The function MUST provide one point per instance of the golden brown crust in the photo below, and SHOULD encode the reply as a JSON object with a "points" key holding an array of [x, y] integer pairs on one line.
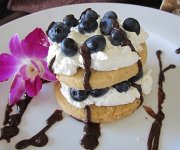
{"points": [[103, 79], [98, 114]]}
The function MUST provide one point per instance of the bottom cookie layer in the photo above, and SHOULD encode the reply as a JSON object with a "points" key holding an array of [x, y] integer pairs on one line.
{"points": [[98, 114]]}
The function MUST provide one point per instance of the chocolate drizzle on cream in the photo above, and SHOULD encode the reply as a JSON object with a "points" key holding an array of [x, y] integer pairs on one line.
{"points": [[135, 78], [85, 53], [41, 139], [91, 132], [138, 87], [127, 42], [154, 134], [11, 122]]}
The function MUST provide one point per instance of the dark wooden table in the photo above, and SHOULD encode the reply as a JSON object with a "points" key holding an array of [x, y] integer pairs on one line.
{"points": [[8, 15]]}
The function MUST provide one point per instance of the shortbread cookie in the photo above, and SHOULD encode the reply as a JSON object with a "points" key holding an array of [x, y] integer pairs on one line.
{"points": [[103, 79], [98, 114]]}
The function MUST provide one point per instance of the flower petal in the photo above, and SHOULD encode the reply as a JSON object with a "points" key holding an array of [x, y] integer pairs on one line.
{"points": [[36, 44], [35, 64], [8, 66], [17, 90], [47, 75], [29, 71], [15, 46], [24, 72], [33, 86]]}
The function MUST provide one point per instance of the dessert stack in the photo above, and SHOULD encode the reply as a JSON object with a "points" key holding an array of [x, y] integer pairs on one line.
{"points": [[98, 62]]}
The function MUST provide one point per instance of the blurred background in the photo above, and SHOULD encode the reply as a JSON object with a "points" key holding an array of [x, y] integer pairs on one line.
{"points": [[13, 9]]}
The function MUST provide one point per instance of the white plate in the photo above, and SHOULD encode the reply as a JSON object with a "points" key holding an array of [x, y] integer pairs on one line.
{"points": [[129, 133]]}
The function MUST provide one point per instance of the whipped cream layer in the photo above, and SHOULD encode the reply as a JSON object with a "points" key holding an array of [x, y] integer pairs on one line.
{"points": [[112, 97], [111, 58]]}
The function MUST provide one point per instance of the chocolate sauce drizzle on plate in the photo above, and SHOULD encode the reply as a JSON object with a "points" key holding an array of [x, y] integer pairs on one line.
{"points": [[178, 51], [154, 134], [41, 139], [85, 53], [91, 132], [11, 122]]}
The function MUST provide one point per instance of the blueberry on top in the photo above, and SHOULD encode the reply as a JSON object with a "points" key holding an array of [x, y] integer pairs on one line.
{"points": [[50, 26], [89, 14], [70, 21], [132, 25], [98, 92], [58, 31], [96, 43], [117, 36], [110, 15], [69, 47], [107, 25], [78, 95], [87, 26], [123, 86]]}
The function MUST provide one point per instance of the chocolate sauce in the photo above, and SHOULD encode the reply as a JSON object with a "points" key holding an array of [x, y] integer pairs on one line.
{"points": [[138, 87], [153, 139], [178, 51], [7, 113], [11, 122], [91, 132], [127, 42], [85, 53], [116, 24], [41, 139], [51, 63]]}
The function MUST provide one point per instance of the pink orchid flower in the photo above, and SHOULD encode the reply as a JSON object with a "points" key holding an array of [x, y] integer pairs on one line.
{"points": [[26, 65]]}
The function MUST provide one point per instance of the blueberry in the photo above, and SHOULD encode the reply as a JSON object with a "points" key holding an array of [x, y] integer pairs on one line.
{"points": [[123, 86], [132, 25], [110, 15], [57, 31], [70, 21], [50, 26], [87, 26], [89, 14], [107, 25], [117, 36], [78, 95], [96, 43], [99, 92], [69, 47]]}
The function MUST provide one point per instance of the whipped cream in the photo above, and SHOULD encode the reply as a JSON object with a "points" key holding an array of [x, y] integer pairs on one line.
{"points": [[146, 83], [112, 58], [112, 97]]}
